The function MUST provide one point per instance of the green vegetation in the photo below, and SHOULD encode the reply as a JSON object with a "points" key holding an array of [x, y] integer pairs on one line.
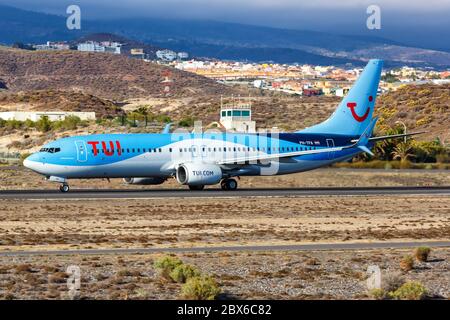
{"points": [[186, 122], [166, 265], [195, 285], [399, 290], [377, 294], [422, 253], [398, 154], [389, 77], [412, 290], [200, 288], [44, 124], [183, 272]]}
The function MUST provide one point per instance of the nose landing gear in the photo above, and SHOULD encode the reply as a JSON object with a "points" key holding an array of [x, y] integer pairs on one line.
{"points": [[64, 187], [229, 184]]}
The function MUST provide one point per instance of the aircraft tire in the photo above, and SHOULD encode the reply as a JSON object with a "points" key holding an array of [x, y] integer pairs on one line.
{"points": [[229, 184], [64, 188]]}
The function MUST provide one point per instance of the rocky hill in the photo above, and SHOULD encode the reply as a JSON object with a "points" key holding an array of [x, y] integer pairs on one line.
{"points": [[55, 100], [104, 75], [420, 107]]}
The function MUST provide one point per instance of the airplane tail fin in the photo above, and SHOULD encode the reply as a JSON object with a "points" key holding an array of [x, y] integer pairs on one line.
{"points": [[355, 111]]}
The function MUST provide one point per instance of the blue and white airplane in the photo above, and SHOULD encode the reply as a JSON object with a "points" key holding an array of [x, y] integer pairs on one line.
{"points": [[199, 159]]}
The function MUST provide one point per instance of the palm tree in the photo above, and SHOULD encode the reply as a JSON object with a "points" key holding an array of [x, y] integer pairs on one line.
{"points": [[402, 151]]}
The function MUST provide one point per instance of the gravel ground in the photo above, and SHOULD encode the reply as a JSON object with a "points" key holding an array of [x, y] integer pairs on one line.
{"points": [[263, 275]]}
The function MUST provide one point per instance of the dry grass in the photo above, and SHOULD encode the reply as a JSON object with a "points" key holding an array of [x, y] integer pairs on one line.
{"points": [[209, 221]]}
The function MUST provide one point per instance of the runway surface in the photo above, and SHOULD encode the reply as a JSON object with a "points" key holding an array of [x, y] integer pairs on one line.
{"points": [[218, 193], [299, 247]]}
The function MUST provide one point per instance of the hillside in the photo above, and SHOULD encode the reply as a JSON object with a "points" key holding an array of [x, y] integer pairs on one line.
{"points": [[420, 107], [54, 100], [239, 41], [104, 75]]}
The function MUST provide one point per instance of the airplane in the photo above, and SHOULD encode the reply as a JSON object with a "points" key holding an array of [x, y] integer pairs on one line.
{"points": [[209, 158]]}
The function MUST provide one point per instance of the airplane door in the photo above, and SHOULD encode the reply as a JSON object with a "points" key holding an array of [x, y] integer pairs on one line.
{"points": [[330, 144], [81, 151]]}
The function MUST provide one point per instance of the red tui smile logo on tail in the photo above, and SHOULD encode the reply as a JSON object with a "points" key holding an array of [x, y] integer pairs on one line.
{"points": [[352, 106]]}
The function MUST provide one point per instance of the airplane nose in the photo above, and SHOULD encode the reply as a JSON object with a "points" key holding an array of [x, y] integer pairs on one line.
{"points": [[31, 162]]}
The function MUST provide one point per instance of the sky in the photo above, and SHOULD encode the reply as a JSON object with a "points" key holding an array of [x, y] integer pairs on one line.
{"points": [[399, 17]]}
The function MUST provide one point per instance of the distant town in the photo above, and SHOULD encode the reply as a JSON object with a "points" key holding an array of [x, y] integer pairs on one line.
{"points": [[304, 80]]}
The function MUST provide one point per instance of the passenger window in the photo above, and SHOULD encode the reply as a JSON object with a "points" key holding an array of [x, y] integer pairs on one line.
{"points": [[159, 150], [170, 149]]}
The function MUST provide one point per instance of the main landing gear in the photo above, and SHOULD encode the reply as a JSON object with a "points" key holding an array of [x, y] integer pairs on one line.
{"points": [[64, 187], [229, 184]]}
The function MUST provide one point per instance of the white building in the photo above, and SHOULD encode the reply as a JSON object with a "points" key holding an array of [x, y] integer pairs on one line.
{"points": [[183, 55], [237, 118], [52, 46], [52, 115], [166, 55], [106, 46]]}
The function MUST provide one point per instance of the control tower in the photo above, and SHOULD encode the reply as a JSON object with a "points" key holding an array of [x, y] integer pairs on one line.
{"points": [[237, 116]]}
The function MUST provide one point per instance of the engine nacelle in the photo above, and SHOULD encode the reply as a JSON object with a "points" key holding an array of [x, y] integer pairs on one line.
{"points": [[195, 174], [144, 181]]}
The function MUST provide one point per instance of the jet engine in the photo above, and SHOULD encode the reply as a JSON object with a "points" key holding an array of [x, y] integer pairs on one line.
{"points": [[195, 174], [144, 181]]}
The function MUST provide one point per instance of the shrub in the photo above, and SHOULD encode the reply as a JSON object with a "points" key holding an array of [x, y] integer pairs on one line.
{"points": [[407, 263], [377, 294], [186, 122], [200, 288], [410, 291], [43, 124], [166, 265], [422, 253], [392, 282], [183, 272]]}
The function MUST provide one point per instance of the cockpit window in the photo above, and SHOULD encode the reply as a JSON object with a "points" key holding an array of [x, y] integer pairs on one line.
{"points": [[50, 150]]}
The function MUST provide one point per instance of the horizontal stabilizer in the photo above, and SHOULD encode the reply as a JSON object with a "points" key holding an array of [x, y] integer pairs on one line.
{"points": [[394, 136], [366, 150]]}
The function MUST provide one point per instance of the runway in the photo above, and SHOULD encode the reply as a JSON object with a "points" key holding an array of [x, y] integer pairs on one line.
{"points": [[217, 193], [244, 248]]}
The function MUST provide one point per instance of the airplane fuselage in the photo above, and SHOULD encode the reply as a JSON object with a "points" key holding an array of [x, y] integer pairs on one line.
{"points": [[157, 155]]}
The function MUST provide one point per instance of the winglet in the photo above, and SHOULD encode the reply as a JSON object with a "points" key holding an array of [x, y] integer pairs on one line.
{"points": [[166, 128]]}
